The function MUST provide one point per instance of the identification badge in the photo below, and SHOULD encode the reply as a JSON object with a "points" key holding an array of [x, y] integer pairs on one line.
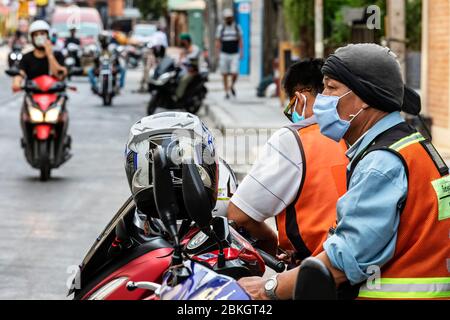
{"points": [[442, 189]]}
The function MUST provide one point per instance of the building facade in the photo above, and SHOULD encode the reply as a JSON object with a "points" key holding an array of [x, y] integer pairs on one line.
{"points": [[436, 69]]}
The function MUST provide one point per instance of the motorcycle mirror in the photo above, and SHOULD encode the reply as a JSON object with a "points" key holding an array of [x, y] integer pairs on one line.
{"points": [[195, 197], [12, 72], [165, 200], [314, 282]]}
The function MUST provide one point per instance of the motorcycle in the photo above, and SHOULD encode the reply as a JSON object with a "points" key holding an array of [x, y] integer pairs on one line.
{"points": [[107, 82], [124, 253], [133, 56], [163, 83], [73, 54], [44, 120], [189, 278], [14, 57]]}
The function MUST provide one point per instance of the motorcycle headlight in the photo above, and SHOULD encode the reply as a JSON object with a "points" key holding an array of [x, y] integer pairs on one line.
{"points": [[13, 56], [36, 115], [106, 290], [69, 61], [19, 56], [51, 116]]}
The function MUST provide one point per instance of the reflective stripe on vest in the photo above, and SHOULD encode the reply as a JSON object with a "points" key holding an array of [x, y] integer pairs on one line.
{"points": [[408, 288], [407, 141], [419, 268]]}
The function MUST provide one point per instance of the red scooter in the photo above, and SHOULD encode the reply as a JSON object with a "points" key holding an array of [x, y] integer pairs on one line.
{"points": [[124, 253], [44, 121]]}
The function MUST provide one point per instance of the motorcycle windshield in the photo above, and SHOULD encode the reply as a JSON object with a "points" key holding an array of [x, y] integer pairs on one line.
{"points": [[126, 208], [203, 284]]}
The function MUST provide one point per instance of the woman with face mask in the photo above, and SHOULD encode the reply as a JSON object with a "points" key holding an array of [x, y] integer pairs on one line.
{"points": [[297, 179], [42, 60]]}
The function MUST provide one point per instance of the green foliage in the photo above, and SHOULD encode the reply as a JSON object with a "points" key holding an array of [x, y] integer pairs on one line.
{"points": [[337, 32], [414, 24], [151, 9], [298, 14]]}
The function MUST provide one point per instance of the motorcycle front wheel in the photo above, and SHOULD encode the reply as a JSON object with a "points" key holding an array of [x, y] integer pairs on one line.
{"points": [[44, 161], [107, 97]]}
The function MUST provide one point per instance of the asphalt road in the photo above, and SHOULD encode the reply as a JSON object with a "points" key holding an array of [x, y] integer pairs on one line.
{"points": [[47, 227]]}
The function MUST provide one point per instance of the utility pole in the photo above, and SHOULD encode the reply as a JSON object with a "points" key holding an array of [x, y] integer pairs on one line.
{"points": [[396, 30], [318, 28]]}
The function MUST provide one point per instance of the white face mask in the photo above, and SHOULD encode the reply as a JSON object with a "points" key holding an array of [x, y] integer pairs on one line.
{"points": [[40, 40]]}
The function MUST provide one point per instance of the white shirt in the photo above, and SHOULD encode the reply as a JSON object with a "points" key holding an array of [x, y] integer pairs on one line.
{"points": [[159, 38], [274, 180]]}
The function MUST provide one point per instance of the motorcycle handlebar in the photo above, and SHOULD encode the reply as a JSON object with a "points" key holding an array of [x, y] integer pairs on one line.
{"points": [[272, 262]]}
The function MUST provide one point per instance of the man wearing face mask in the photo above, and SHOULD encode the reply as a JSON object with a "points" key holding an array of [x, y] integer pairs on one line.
{"points": [[42, 60], [297, 179], [394, 219]]}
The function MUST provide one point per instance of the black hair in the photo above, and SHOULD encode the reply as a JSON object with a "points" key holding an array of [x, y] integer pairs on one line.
{"points": [[304, 74]]}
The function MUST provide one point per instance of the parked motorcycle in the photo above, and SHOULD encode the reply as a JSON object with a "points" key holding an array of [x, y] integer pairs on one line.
{"points": [[189, 278], [73, 54], [14, 57], [163, 83], [126, 253], [44, 120]]}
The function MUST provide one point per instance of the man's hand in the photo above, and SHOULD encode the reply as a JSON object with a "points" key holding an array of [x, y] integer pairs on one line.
{"points": [[48, 48], [16, 88], [17, 84], [254, 287]]}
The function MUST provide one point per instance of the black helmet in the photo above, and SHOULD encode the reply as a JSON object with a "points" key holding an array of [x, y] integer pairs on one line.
{"points": [[181, 136], [104, 38]]}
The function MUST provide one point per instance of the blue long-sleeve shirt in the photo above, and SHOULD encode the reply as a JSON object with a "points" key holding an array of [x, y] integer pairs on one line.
{"points": [[369, 213]]}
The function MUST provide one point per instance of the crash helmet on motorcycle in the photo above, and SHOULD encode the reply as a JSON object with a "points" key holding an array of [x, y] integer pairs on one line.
{"points": [[227, 187], [104, 39], [183, 137], [39, 26]]}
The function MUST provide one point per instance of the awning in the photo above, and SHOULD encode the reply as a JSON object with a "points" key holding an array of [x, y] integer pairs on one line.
{"points": [[185, 5]]}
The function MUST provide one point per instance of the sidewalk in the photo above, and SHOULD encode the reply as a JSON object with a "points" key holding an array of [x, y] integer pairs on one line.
{"points": [[242, 124], [246, 111]]}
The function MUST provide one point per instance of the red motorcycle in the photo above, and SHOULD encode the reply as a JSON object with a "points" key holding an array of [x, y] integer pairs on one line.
{"points": [[124, 253], [44, 121]]}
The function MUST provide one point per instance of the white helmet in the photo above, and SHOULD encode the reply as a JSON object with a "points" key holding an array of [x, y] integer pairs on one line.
{"points": [[227, 187], [228, 13], [182, 136], [39, 25]]}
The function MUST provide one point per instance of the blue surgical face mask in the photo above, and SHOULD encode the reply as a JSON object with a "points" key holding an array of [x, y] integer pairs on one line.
{"points": [[331, 125], [296, 117]]}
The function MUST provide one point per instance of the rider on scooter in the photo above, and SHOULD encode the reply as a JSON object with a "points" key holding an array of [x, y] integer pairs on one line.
{"points": [[42, 60], [189, 61], [105, 40]]}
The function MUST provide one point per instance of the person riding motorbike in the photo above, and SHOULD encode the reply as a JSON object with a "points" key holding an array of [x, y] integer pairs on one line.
{"points": [[18, 40], [189, 61], [105, 40], [42, 60], [73, 36]]}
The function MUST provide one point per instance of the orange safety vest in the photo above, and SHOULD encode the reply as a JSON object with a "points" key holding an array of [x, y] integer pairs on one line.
{"points": [[304, 225], [420, 267]]}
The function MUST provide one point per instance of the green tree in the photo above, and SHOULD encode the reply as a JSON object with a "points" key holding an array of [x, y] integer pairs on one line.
{"points": [[151, 9], [414, 24]]}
